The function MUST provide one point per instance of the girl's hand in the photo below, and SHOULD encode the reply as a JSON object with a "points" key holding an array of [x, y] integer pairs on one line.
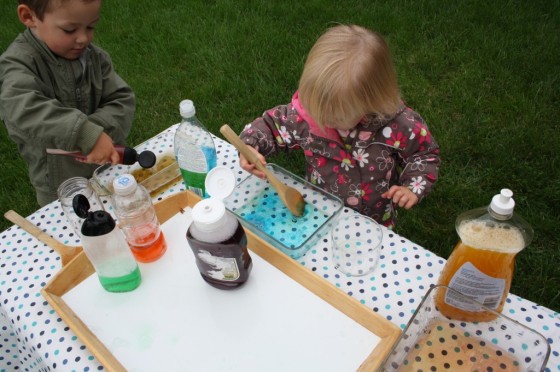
{"points": [[402, 196], [103, 151], [246, 165]]}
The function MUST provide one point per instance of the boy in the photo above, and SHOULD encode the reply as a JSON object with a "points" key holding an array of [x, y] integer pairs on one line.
{"points": [[57, 90]]}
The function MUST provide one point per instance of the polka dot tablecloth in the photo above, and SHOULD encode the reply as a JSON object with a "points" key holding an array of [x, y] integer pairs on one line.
{"points": [[34, 338]]}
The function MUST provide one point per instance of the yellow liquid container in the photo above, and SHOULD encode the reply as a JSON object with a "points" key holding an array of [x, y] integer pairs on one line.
{"points": [[482, 263]]}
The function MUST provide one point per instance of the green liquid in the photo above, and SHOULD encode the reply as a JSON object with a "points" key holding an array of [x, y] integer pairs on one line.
{"points": [[123, 283], [195, 182]]}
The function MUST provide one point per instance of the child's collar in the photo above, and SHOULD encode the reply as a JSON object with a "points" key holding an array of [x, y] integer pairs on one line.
{"points": [[314, 128]]}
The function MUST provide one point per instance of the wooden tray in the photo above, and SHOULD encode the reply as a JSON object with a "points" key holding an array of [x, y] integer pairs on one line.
{"points": [[80, 268]]}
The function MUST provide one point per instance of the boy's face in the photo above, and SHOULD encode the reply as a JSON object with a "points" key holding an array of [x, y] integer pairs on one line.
{"points": [[67, 27]]}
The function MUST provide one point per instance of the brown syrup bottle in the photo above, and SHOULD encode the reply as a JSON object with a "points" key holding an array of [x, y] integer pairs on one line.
{"points": [[219, 244]]}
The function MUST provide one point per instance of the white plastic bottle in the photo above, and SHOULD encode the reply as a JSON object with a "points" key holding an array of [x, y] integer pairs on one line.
{"points": [[194, 149], [106, 248], [137, 219], [216, 237]]}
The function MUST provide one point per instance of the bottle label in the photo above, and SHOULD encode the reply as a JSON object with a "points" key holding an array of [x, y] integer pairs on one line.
{"points": [[476, 285], [221, 268]]}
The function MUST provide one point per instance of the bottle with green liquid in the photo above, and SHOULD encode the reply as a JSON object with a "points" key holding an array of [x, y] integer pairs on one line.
{"points": [[107, 249], [194, 149]]}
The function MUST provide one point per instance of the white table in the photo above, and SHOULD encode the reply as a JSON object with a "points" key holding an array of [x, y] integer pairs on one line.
{"points": [[33, 337]]}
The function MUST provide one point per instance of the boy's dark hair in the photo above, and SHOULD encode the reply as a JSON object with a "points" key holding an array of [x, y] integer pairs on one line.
{"points": [[40, 7], [37, 6]]}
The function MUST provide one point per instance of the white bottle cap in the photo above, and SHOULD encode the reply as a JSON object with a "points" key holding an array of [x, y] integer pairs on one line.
{"points": [[209, 215], [220, 182], [503, 202], [186, 108], [124, 184]]}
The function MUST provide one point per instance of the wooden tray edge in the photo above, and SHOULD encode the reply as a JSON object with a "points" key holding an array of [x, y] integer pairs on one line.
{"points": [[80, 268]]}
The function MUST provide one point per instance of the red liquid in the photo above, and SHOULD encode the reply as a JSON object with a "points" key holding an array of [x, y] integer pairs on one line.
{"points": [[151, 252]]}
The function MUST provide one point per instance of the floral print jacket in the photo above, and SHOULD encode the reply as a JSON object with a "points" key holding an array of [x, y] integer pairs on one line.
{"points": [[357, 165]]}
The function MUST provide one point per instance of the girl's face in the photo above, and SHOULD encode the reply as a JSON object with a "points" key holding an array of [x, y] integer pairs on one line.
{"points": [[68, 27]]}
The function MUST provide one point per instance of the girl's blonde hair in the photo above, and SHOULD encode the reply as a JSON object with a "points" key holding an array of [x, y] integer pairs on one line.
{"points": [[348, 74]]}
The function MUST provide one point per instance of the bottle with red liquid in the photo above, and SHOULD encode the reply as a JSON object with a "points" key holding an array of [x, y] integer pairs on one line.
{"points": [[137, 219], [482, 263], [216, 237]]}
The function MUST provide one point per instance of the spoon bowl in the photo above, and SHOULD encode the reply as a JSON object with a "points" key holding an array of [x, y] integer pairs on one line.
{"points": [[291, 197]]}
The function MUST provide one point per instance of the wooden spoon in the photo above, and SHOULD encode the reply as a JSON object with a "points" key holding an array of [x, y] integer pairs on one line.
{"points": [[291, 198], [66, 252]]}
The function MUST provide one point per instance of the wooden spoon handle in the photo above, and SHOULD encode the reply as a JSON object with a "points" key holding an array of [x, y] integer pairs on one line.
{"points": [[244, 149], [42, 236]]}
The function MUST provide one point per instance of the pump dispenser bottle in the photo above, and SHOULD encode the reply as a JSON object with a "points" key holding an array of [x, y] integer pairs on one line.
{"points": [[482, 263]]}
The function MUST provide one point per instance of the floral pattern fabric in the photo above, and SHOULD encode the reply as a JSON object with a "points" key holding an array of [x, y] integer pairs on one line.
{"points": [[357, 165]]}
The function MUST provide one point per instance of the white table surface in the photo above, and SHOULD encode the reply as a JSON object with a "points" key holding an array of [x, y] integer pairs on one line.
{"points": [[33, 337]]}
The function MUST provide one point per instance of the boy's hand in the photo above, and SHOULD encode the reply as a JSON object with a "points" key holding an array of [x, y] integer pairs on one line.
{"points": [[103, 151], [402, 196], [246, 165]]}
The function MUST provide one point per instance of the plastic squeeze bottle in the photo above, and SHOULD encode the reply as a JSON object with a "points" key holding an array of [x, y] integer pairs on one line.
{"points": [[106, 248], [481, 264], [194, 149], [216, 237], [138, 219]]}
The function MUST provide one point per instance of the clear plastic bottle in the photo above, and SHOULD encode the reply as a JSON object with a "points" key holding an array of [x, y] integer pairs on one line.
{"points": [[106, 248], [138, 219], [216, 237], [194, 149], [481, 264]]}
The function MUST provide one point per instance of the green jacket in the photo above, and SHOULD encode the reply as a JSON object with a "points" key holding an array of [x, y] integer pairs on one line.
{"points": [[50, 102]]}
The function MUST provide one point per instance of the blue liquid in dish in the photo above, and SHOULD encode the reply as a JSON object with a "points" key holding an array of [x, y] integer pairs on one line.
{"points": [[267, 213]]}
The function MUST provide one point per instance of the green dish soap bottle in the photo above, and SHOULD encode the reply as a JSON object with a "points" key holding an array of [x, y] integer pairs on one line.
{"points": [[194, 149]]}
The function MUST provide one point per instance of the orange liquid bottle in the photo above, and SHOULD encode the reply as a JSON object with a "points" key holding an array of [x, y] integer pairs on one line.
{"points": [[482, 263], [149, 246], [137, 219]]}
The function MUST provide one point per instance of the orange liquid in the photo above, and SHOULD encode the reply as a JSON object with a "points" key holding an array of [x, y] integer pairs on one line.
{"points": [[492, 263], [149, 252]]}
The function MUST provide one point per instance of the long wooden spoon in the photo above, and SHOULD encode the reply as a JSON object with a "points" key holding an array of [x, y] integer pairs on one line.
{"points": [[291, 198], [66, 252]]}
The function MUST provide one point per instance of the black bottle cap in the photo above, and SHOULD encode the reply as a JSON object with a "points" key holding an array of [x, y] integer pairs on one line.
{"points": [[147, 159], [96, 223], [129, 156], [80, 204]]}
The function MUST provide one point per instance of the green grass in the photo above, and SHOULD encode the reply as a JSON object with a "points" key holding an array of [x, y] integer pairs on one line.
{"points": [[484, 75]]}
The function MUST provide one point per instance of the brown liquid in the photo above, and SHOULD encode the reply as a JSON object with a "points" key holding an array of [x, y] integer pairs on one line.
{"points": [[224, 265], [491, 263], [494, 256]]}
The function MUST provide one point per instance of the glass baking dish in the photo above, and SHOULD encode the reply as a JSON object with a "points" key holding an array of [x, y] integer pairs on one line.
{"points": [[165, 172], [432, 341], [257, 205]]}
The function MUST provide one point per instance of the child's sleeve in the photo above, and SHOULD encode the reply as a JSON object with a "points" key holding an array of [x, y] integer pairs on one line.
{"points": [[30, 112], [115, 111], [419, 159], [276, 130]]}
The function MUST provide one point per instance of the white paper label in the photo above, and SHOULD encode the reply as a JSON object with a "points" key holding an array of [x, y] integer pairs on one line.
{"points": [[222, 268], [474, 284]]}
